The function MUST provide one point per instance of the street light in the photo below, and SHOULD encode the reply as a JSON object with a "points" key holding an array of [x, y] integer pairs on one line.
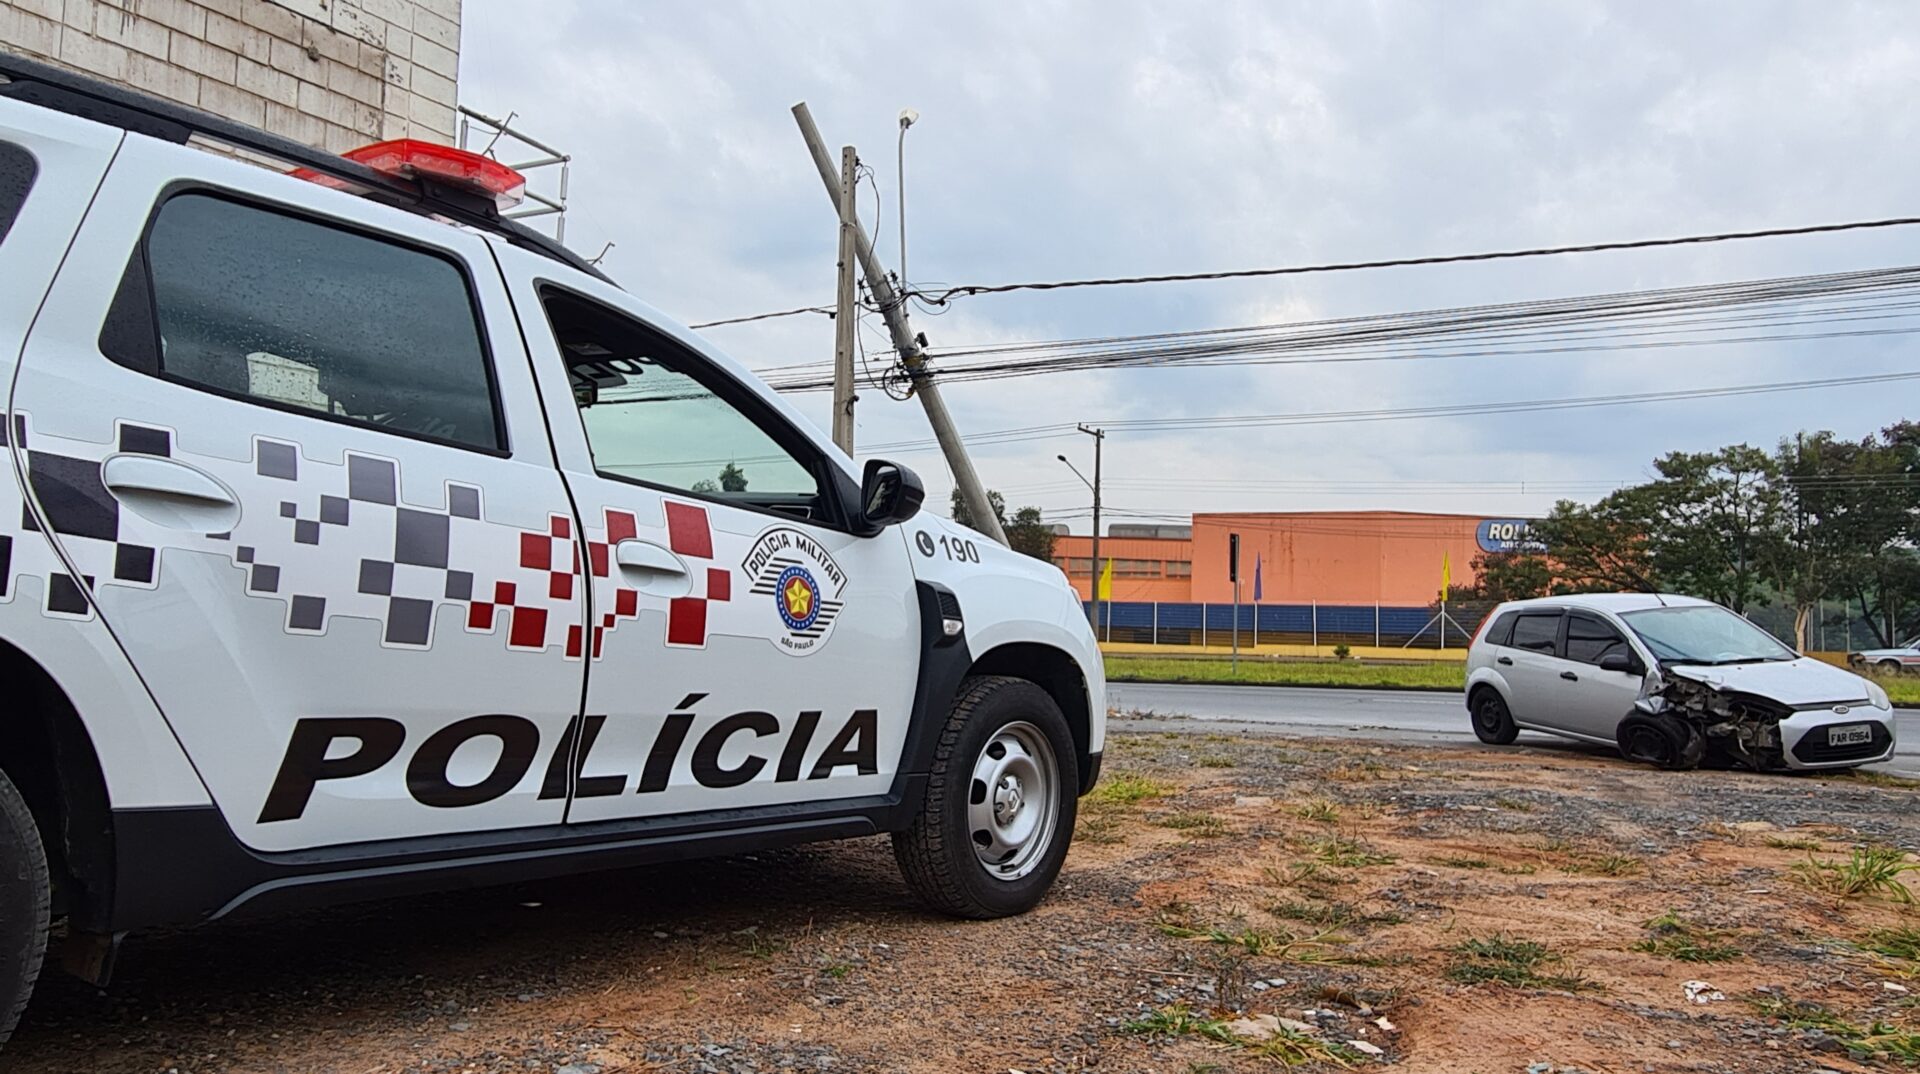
{"points": [[1099, 436]]}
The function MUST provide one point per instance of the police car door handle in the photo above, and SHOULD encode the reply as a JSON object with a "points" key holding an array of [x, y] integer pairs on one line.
{"points": [[644, 556], [170, 493]]}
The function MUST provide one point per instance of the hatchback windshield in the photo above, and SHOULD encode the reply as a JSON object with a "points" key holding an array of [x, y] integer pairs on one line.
{"points": [[1704, 634]]}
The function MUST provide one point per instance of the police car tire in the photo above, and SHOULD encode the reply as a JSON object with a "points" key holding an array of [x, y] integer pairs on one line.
{"points": [[26, 901], [936, 853]]}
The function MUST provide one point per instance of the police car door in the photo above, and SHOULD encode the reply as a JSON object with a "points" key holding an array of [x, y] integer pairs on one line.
{"points": [[288, 446], [746, 650]]}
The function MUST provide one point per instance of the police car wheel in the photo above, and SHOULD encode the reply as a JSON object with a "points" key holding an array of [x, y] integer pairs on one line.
{"points": [[26, 899], [1001, 798]]}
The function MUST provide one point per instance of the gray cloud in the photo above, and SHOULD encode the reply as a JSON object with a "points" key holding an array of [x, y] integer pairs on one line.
{"points": [[1084, 138]]}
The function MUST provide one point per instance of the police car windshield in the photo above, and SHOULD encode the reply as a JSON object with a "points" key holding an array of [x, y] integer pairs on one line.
{"points": [[1704, 634]]}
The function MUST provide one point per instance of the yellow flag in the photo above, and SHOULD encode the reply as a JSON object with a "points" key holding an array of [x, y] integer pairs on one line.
{"points": [[1446, 576], [1106, 581]]}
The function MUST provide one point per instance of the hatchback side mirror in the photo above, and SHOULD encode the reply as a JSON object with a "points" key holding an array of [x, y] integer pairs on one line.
{"points": [[889, 494], [1627, 663]]}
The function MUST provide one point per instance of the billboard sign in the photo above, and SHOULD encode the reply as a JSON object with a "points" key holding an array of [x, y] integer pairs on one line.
{"points": [[1503, 535]]}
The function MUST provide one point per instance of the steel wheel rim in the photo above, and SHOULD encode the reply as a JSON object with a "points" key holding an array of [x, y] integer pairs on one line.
{"points": [[1488, 716], [1013, 805]]}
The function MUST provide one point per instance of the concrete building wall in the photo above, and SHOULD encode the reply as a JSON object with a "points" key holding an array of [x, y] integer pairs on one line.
{"points": [[1334, 557], [331, 73]]}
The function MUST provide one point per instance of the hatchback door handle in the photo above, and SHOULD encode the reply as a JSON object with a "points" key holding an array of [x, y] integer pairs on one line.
{"points": [[1569, 676], [1507, 660], [647, 557]]}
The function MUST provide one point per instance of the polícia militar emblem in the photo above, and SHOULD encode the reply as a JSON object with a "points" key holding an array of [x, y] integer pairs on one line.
{"points": [[801, 580]]}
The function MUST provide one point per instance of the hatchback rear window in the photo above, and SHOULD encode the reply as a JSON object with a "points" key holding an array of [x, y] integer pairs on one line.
{"points": [[1501, 632], [17, 169]]}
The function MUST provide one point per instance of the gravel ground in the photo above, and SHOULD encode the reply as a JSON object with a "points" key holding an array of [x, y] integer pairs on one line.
{"points": [[1429, 909]]}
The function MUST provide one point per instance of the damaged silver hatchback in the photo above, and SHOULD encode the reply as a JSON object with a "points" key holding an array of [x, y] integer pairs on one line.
{"points": [[1671, 681]]}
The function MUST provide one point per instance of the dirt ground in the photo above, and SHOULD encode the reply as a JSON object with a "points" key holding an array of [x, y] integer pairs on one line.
{"points": [[1453, 909]]}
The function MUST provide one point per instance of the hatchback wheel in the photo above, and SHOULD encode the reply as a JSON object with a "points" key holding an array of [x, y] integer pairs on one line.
{"points": [[1491, 720], [1661, 741]]}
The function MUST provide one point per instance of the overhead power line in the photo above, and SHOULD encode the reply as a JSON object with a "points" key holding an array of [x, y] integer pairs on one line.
{"points": [[943, 295], [1440, 259], [1160, 425], [1860, 304]]}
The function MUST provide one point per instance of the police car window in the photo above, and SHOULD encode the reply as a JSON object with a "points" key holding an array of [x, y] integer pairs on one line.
{"points": [[653, 414], [1589, 639], [16, 177], [303, 316], [1539, 633]]}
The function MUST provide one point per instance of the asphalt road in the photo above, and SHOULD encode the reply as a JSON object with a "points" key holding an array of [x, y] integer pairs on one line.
{"points": [[1388, 715]]}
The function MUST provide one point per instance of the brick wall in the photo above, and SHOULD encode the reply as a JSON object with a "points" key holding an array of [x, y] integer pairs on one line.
{"points": [[331, 73]]}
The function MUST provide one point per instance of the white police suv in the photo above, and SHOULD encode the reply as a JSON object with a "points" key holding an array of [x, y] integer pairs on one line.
{"points": [[358, 541]]}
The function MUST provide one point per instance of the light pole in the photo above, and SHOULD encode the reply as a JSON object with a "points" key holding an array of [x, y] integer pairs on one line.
{"points": [[1099, 437]]}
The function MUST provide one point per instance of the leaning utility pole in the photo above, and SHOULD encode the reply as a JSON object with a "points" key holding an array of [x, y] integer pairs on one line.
{"points": [[893, 308], [843, 318]]}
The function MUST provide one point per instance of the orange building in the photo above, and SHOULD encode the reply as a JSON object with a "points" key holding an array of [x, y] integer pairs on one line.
{"points": [[1325, 557]]}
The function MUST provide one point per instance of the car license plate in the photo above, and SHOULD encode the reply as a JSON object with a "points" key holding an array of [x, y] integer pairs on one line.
{"points": [[1852, 734]]}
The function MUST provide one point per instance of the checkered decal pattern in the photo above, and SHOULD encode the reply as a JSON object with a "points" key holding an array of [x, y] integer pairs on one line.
{"points": [[333, 540], [328, 539]]}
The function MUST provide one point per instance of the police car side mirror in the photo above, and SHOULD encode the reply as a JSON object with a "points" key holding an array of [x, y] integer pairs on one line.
{"points": [[889, 494]]}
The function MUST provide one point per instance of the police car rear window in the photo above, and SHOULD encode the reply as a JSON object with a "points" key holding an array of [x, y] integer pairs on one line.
{"points": [[17, 170], [300, 315]]}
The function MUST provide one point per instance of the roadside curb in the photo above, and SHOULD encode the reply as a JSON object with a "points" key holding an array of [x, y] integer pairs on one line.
{"points": [[1291, 685]]}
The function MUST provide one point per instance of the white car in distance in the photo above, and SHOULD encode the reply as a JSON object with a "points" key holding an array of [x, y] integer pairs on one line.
{"points": [[1671, 681]]}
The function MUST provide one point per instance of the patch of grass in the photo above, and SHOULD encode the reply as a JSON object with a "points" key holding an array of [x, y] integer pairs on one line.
{"points": [[1213, 761], [1463, 863], [1872, 1041], [1671, 936], [1286, 1047], [1522, 869], [1555, 845], [1425, 675], [1196, 824], [1513, 962], [1794, 842], [1320, 810], [1901, 943], [1357, 771], [1605, 865], [1349, 853], [836, 970], [1126, 788], [1299, 874], [1868, 871], [1098, 826], [1179, 1020], [1332, 915], [1513, 805]]}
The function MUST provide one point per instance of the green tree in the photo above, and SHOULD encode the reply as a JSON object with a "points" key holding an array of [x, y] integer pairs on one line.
{"points": [[732, 478], [1850, 505], [1600, 547], [1028, 535], [965, 517], [1500, 576], [1718, 522]]}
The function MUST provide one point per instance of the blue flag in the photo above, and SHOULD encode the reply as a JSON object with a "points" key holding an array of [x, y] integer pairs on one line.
{"points": [[1256, 577]]}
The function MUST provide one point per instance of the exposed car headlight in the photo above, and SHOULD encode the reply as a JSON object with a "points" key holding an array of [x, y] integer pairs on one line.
{"points": [[1878, 695]]}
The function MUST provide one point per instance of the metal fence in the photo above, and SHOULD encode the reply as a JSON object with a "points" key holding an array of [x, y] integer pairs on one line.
{"points": [[1379, 625]]}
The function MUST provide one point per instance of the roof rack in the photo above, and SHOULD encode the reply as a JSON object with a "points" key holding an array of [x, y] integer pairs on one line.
{"points": [[52, 87]]}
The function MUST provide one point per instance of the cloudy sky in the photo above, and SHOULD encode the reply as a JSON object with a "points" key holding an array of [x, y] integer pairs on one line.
{"points": [[1080, 138]]}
